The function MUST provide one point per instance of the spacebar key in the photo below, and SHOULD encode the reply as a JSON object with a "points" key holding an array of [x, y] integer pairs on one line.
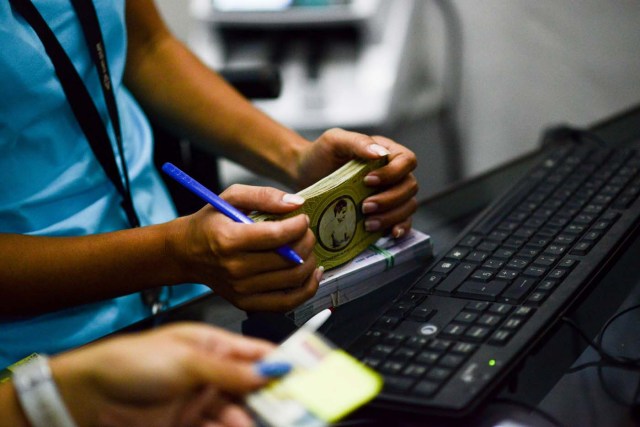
{"points": [[455, 278]]}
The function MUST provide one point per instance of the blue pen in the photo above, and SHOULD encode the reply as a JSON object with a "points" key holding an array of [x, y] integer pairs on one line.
{"points": [[220, 204]]}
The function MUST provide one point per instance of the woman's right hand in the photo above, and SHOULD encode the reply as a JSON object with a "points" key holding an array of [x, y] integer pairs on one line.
{"points": [[182, 374], [238, 261]]}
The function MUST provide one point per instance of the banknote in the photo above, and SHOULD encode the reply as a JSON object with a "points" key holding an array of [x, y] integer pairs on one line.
{"points": [[334, 207]]}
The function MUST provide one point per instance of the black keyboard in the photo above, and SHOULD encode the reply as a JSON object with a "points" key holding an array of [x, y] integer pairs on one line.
{"points": [[450, 339]]}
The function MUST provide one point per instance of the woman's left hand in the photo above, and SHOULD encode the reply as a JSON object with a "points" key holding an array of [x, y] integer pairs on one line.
{"points": [[389, 209]]}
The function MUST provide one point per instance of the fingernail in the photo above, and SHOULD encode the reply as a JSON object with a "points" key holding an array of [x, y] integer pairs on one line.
{"points": [[398, 233], [378, 149], [319, 273], [369, 207], [372, 225], [293, 199], [272, 369], [371, 180], [308, 220]]}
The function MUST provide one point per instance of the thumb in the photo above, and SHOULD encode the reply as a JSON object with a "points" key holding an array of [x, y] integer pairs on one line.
{"points": [[264, 199], [234, 376]]}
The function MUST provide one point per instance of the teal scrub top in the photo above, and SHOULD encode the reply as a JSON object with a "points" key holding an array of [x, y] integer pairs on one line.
{"points": [[50, 182]]}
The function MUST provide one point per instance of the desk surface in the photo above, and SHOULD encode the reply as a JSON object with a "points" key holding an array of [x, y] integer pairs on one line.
{"points": [[580, 398]]}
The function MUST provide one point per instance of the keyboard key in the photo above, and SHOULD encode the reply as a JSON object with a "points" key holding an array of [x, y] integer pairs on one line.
{"points": [[387, 323], [547, 285], [397, 384], [402, 355], [427, 357], [497, 236], [470, 241], [489, 320], [438, 374], [451, 361], [439, 345], [503, 254], [464, 348], [477, 306], [372, 362], [414, 370], [466, 317], [482, 275], [574, 229], [392, 339], [416, 342], [399, 311], [535, 271], [444, 267], [517, 264], [426, 388], [512, 323], [592, 236], [382, 351], [529, 253], [477, 333], [555, 250], [507, 274], [500, 337], [498, 308], [422, 313], [545, 260], [488, 291], [568, 263], [581, 248], [536, 298], [458, 253], [391, 367], [477, 256], [565, 239], [493, 263], [518, 290], [557, 273], [453, 330], [538, 242], [523, 311], [453, 280], [487, 246], [429, 282]]}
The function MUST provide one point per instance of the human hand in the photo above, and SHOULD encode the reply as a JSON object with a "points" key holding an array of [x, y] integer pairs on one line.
{"points": [[239, 260], [392, 207], [179, 375]]}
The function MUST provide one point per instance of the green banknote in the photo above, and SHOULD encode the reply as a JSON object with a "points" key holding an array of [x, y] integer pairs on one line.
{"points": [[334, 207]]}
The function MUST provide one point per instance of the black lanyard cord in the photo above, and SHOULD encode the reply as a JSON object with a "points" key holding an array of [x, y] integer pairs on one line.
{"points": [[78, 96], [87, 12]]}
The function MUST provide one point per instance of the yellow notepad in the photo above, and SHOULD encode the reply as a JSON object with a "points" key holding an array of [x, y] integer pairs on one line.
{"points": [[325, 384]]}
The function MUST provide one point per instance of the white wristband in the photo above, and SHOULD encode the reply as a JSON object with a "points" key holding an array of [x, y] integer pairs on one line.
{"points": [[39, 396]]}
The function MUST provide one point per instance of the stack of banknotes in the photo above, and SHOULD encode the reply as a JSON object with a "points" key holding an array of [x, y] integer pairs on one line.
{"points": [[379, 264], [334, 207]]}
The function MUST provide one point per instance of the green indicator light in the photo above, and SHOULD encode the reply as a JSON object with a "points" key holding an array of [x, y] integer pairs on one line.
{"points": [[492, 362]]}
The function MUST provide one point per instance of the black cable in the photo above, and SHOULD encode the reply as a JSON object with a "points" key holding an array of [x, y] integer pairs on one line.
{"points": [[609, 392], [608, 360], [592, 136], [605, 355], [597, 343], [583, 366], [613, 319], [532, 408], [566, 132]]}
